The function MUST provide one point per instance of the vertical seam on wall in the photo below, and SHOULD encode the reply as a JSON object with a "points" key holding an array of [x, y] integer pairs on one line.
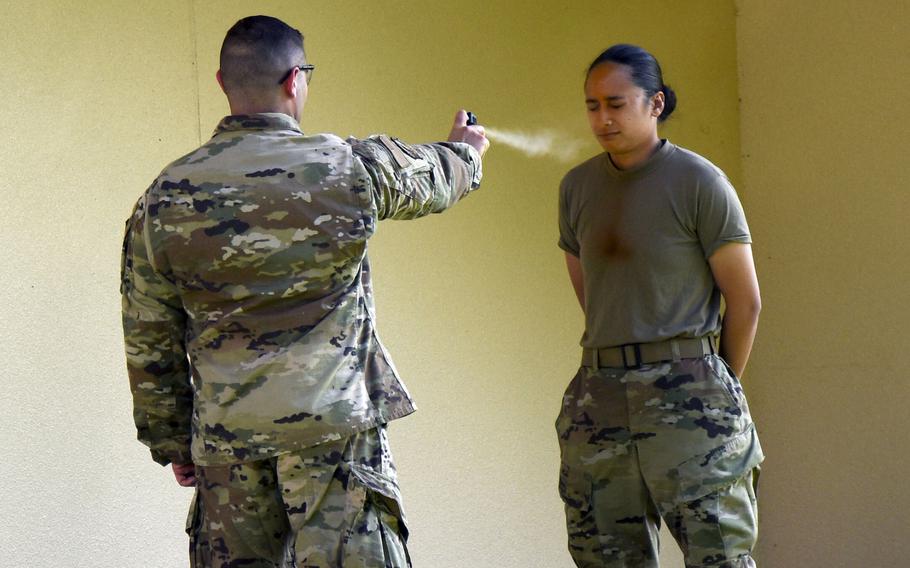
{"points": [[743, 158], [195, 59]]}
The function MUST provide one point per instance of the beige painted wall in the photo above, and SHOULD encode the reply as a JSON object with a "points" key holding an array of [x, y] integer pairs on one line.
{"points": [[475, 305], [824, 112]]}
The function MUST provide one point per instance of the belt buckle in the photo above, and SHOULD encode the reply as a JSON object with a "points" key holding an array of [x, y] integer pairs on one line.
{"points": [[636, 352]]}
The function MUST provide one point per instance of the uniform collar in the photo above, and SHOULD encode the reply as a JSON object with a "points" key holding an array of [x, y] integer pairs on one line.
{"points": [[261, 121]]}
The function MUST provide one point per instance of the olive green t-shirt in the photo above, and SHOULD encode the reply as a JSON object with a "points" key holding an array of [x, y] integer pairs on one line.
{"points": [[644, 237]]}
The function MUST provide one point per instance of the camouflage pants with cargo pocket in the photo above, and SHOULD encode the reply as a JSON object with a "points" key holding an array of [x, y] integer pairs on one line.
{"points": [[332, 505], [671, 440]]}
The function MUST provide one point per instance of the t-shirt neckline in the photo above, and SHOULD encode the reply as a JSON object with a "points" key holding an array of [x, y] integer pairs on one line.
{"points": [[666, 148]]}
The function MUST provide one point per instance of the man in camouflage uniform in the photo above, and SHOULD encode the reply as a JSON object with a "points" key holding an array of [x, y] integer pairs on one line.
{"points": [[249, 320]]}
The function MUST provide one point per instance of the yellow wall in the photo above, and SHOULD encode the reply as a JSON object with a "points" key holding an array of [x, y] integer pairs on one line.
{"points": [[475, 304], [824, 112]]}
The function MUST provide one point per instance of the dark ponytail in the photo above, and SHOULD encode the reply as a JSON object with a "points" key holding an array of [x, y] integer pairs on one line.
{"points": [[669, 103], [645, 72]]}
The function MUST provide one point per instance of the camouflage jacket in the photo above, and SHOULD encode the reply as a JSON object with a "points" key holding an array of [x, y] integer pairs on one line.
{"points": [[248, 313]]}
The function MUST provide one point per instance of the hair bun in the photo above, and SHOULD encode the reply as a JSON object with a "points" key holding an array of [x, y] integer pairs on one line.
{"points": [[669, 102]]}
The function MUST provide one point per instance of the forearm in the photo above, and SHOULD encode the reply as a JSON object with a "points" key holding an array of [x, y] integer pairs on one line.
{"points": [[461, 164], [413, 181], [576, 276], [162, 392], [580, 294], [738, 333], [456, 172]]}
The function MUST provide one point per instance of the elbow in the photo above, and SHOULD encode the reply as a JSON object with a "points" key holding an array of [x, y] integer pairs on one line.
{"points": [[755, 305], [744, 308], [753, 309]]}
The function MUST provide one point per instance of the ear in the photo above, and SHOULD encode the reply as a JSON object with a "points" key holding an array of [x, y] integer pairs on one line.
{"points": [[290, 84], [657, 104], [220, 80]]}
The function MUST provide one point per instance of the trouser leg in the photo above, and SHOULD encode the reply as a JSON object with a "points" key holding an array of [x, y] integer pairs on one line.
{"points": [[688, 426], [698, 450], [239, 518], [718, 530], [611, 518], [615, 522], [343, 504]]}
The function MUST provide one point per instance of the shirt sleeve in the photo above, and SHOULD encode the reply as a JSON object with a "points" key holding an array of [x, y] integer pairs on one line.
{"points": [[410, 181], [154, 325], [720, 217], [568, 240]]}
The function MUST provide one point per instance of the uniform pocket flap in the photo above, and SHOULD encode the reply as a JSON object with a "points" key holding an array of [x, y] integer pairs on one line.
{"points": [[718, 468], [383, 486]]}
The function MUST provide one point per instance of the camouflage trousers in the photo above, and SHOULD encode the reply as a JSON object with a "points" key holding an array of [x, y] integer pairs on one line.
{"points": [[332, 505], [672, 440]]}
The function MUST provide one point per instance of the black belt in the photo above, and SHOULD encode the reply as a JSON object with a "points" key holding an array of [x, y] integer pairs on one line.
{"points": [[634, 355]]}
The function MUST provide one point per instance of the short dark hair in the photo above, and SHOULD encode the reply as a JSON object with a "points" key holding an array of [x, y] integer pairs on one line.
{"points": [[257, 51], [645, 72]]}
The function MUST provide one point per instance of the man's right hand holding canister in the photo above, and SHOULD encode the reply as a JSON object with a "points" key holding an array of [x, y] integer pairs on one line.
{"points": [[469, 134]]}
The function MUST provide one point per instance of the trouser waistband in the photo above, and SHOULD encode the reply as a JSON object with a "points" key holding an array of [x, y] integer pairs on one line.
{"points": [[634, 355]]}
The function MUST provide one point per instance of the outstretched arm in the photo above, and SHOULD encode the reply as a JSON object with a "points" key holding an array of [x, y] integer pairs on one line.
{"points": [[410, 181]]}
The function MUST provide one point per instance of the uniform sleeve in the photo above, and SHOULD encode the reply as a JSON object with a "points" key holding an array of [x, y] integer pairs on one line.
{"points": [[410, 181], [720, 217], [154, 326], [568, 240]]}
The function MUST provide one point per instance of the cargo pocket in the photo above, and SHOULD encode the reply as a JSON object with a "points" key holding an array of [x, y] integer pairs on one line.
{"points": [[393, 530], [383, 497], [382, 491], [720, 467]]}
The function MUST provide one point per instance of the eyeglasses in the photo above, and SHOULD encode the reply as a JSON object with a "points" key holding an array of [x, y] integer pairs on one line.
{"points": [[307, 69]]}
